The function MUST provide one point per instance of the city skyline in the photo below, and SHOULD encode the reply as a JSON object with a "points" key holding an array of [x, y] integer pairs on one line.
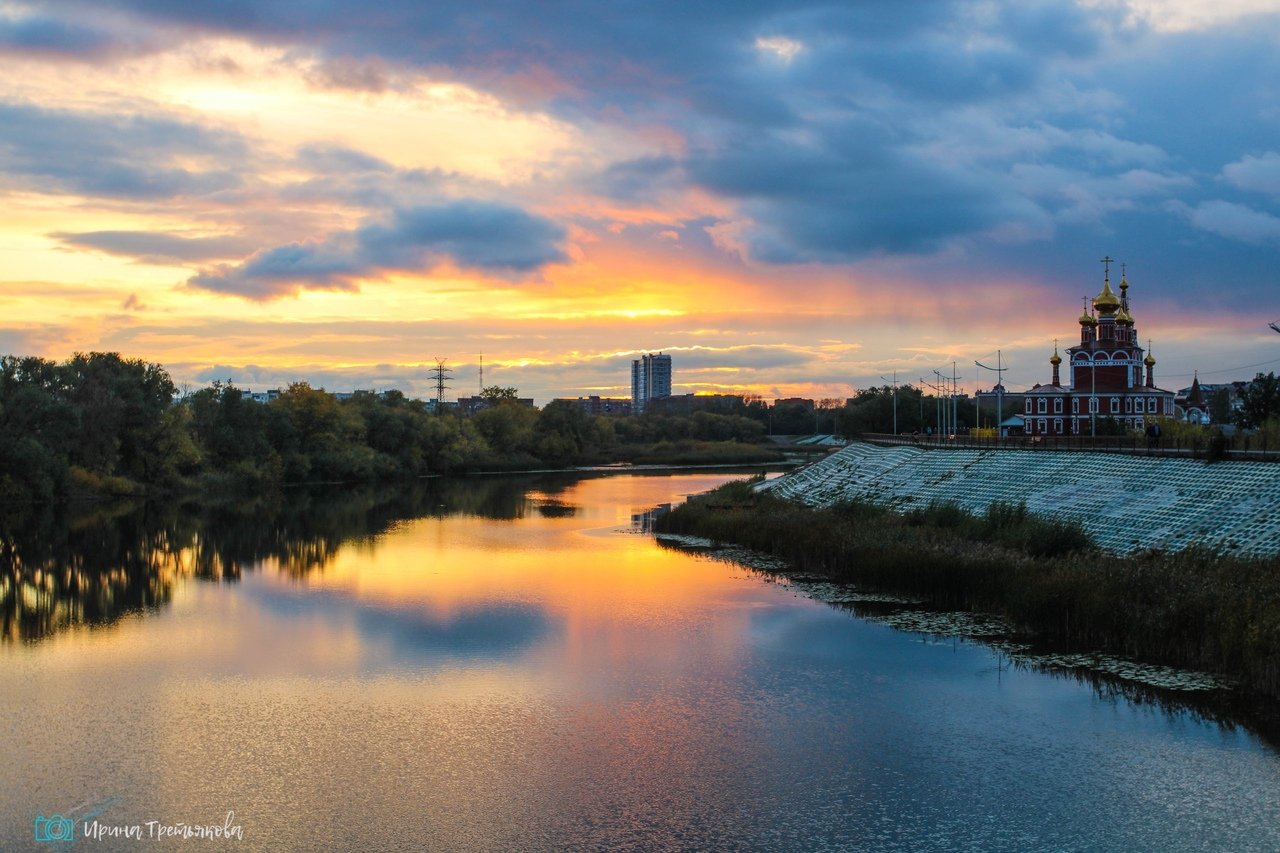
{"points": [[792, 200]]}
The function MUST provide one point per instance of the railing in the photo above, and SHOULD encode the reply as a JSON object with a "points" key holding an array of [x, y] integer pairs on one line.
{"points": [[1238, 447]]}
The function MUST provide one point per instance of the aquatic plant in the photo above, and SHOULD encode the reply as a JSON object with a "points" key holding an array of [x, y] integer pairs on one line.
{"points": [[1194, 608]]}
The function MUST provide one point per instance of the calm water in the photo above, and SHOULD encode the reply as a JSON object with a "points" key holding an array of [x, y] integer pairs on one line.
{"points": [[505, 665]]}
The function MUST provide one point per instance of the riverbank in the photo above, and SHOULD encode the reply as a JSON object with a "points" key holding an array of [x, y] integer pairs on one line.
{"points": [[1190, 609], [1126, 504], [244, 481]]}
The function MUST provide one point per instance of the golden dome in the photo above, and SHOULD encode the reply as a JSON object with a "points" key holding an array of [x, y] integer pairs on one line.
{"points": [[1150, 360], [1106, 302], [1055, 359], [1087, 319], [1124, 318]]}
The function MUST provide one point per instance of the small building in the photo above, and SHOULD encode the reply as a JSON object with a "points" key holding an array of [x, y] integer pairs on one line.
{"points": [[595, 405], [1014, 425], [687, 404], [261, 396], [1105, 375], [468, 406]]}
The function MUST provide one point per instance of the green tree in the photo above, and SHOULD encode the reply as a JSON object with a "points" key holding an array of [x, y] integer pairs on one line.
{"points": [[498, 393], [1220, 406], [507, 428], [1260, 402], [121, 404]]}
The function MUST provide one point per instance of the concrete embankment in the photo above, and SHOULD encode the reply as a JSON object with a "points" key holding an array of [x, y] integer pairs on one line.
{"points": [[1126, 503]]}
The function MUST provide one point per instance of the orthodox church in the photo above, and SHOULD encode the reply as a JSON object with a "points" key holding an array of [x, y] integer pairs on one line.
{"points": [[1104, 374]]}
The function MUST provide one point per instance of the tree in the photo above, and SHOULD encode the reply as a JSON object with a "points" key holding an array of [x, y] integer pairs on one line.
{"points": [[507, 427], [1260, 402], [496, 394], [1220, 406], [121, 403]]}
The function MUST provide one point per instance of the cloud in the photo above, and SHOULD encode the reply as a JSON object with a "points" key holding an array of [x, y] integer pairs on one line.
{"points": [[129, 157], [479, 235], [948, 138], [321, 157], [1235, 221], [844, 195], [1255, 173], [40, 35], [154, 247], [347, 72]]}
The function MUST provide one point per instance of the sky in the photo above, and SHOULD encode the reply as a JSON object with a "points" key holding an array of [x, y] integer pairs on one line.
{"points": [[789, 198]]}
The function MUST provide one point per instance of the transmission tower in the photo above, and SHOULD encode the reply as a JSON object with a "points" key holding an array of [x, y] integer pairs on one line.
{"points": [[442, 373]]}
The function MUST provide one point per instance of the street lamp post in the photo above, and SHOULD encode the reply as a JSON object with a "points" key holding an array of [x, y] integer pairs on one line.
{"points": [[999, 371], [1093, 400], [895, 401]]}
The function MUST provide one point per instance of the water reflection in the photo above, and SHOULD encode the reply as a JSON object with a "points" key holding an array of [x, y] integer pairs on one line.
{"points": [[549, 681], [1199, 696], [65, 566]]}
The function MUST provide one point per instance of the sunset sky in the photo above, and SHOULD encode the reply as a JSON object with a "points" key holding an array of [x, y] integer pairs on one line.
{"points": [[790, 198]]}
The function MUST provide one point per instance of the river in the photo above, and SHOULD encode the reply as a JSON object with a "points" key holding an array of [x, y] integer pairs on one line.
{"points": [[511, 663]]}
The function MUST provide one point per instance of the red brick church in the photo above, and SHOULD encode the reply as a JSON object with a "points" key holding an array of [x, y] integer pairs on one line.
{"points": [[1104, 374]]}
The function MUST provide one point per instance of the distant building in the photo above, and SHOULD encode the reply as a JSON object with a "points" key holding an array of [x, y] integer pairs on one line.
{"points": [[1197, 403], [650, 380], [1105, 372], [261, 396], [469, 406], [595, 405], [803, 402], [684, 404], [1000, 396]]}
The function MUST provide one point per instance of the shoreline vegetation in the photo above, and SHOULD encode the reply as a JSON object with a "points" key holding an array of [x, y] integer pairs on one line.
{"points": [[1192, 609], [102, 426]]}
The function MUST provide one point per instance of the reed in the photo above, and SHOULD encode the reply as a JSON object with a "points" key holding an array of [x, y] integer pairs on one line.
{"points": [[1193, 609]]}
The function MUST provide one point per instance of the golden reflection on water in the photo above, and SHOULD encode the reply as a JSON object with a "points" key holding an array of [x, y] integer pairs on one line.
{"points": [[445, 564]]}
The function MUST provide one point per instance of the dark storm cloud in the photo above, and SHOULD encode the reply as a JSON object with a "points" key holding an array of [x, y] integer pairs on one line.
{"points": [[486, 236], [155, 247], [114, 156]]}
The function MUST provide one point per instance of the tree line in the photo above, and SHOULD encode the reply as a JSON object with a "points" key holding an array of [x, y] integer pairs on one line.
{"points": [[100, 423]]}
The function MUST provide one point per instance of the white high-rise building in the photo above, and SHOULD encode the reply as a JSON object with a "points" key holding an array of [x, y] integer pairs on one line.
{"points": [[650, 379]]}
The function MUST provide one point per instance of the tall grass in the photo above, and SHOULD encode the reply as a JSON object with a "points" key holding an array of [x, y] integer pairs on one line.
{"points": [[1193, 609]]}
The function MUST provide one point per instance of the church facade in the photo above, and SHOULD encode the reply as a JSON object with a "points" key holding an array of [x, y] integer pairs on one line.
{"points": [[1109, 375]]}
